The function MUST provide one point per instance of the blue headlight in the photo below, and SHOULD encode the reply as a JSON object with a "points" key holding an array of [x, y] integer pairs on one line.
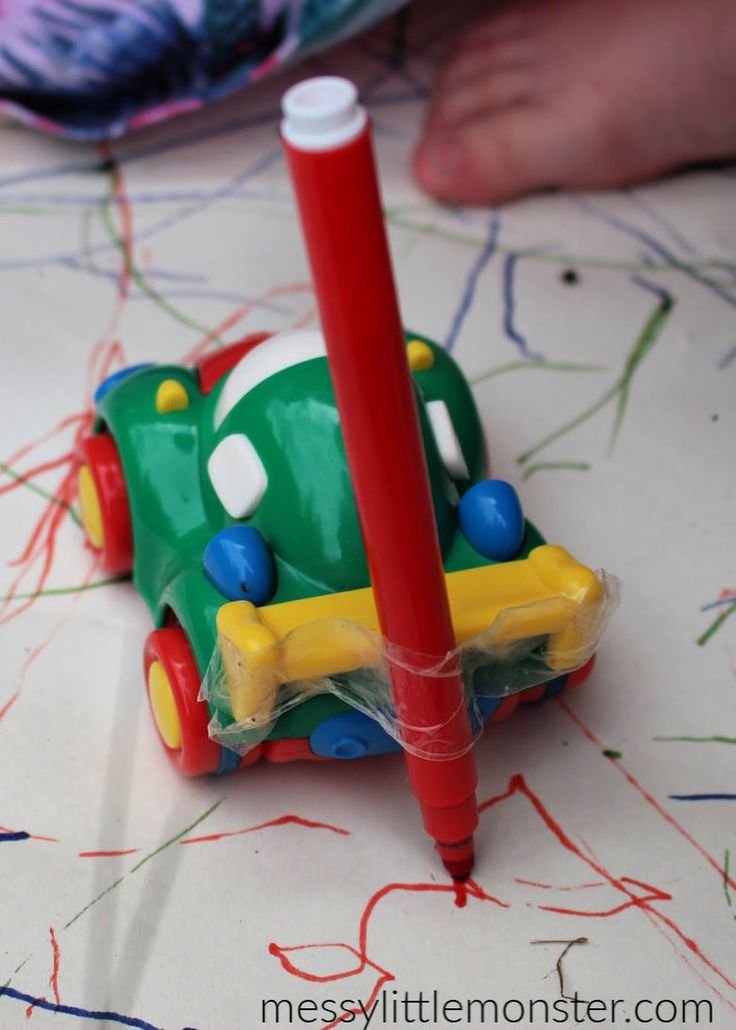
{"points": [[239, 563], [491, 519]]}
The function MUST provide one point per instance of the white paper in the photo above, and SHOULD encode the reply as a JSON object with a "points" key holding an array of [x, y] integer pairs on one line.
{"points": [[584, 845]]}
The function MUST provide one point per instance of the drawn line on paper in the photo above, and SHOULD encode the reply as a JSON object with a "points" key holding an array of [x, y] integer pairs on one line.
{"points": [[728, 358], [630, 887], [649, 798], [717, 623], [555, 887], [508, 283], [77, 588], [397, 216], [726, 863], [471, 282], [545, 366], [123, 241], [543, 466], [23, 479], [152, 854], [702, 797], [700, 740], [620, 389], [108, 854], [284, 820], [558, 965], [23, 835], [74, 1010]]}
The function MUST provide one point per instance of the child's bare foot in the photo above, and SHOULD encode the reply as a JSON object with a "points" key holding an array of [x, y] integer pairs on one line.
{"points": [[580, 93]]}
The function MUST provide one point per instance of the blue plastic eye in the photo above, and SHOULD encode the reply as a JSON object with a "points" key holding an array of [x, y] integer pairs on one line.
{"points": [[117, 377], [239, 563], [491, 519]]}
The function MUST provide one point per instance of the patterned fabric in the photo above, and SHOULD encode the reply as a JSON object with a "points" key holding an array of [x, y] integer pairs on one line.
{"points": [[91, 69]]}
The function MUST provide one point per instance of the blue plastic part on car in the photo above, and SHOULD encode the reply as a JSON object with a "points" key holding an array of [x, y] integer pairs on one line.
{"points": [[491, 519], [555, 687], [117, 377], [238, 562], [487, 706], [229, 761], [351, 735]]}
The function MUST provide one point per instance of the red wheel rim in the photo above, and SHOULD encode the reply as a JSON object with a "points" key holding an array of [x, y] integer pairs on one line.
{"points": [[197, 754], [100, 454]]}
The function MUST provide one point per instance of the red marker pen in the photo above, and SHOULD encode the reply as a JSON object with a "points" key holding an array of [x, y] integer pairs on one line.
{"points": [[327, 140]]}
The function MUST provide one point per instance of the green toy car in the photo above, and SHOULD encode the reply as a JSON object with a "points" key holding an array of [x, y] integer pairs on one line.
{"points": [[224, 488]]}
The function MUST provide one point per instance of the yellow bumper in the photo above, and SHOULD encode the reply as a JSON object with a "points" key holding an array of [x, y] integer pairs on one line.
{"points": [[549, 594]]}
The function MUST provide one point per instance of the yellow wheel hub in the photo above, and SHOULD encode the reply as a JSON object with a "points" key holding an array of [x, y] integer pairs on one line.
{"points": [[89, 503], [163, 705]]}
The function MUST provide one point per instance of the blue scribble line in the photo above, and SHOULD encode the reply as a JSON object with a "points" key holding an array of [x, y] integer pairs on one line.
{"points": [[509, 308], [471, 283], [20, 835], [663, 295], [73, 1010], [727, 358], [703, 797], [720, 603], [657, 246], [664, 223], [222, 192]]}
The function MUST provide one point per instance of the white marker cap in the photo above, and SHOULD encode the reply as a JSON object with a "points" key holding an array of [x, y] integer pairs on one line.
{"points": [[322, 113]]}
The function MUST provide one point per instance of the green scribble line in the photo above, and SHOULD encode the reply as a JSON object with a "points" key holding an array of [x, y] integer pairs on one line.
{"points": [[716, 625], [576, 466], [178, 836], [644, 343], [146, 858], [140, 280], [428, 229], [700, 740], [17, 970], [94, 901], [726, 863], [548, 366], [55, 591], [19, 477]]}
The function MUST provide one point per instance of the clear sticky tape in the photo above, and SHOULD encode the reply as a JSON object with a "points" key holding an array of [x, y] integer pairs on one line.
{"points": [[254, 678]]}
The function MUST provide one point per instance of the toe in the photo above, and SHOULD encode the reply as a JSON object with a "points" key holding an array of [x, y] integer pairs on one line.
{"points": [[490, 159], [479, 95]]}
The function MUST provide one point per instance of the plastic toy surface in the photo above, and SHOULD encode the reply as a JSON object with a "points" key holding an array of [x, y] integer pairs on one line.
{"points": [[224, 489]]}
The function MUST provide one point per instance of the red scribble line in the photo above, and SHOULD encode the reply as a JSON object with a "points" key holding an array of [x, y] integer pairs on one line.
{"points": [[384, 976], [653, 894], [239, 314], [126, 219], [27, 448], [684, 958], [54, 978], [32, 473], [469, 888], [553, 887], [588, 733], [283, 820], [40, 648], [9, 703], [31, 836], [107, 854], [518, 784], [661, 930]]}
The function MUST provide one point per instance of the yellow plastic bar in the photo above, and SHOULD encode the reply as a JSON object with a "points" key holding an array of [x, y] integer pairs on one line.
{"points": [[548, 594]]}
